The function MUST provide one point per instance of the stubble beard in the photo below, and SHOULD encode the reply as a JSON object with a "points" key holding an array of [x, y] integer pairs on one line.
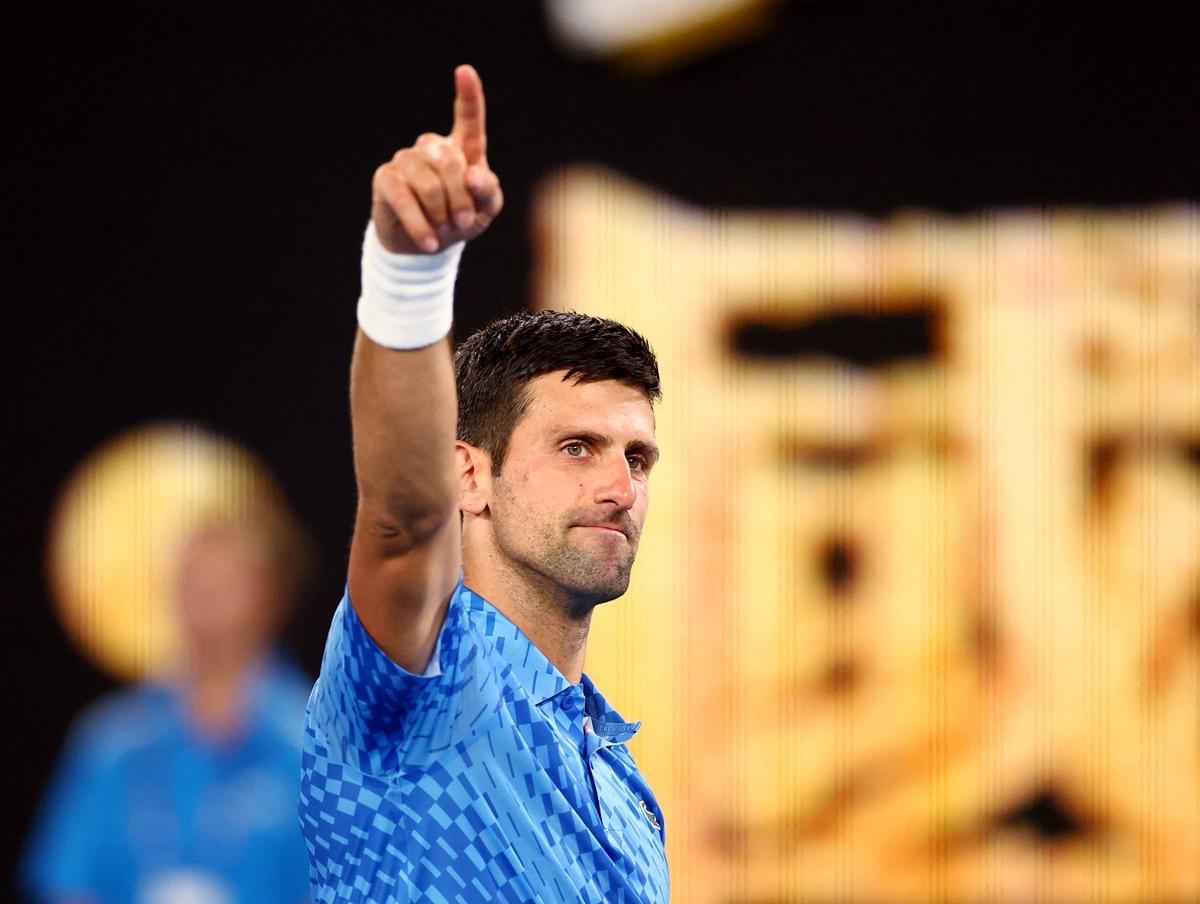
{"points": [[589, 575], [581, 573]]}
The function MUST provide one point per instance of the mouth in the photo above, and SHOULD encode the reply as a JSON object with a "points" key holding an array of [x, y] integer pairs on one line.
{"points": [[607, 527]]}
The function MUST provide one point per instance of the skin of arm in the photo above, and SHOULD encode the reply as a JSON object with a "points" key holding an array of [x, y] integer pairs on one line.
{"points": [[406, 552]]}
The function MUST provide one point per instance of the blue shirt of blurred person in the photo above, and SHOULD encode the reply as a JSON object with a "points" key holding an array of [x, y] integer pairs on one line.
{"points": [[144, 810]]}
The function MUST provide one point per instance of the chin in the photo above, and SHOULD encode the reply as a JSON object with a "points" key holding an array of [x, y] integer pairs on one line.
{"points": [[591, 589], [609, 593], [586, 577], [603, 589]]}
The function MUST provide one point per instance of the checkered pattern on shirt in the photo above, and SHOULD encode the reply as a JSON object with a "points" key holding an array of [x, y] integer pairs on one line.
{"points": [[496, 780]]}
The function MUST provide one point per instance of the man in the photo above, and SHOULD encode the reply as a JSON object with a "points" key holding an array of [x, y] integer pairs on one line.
{"points": [[454, 749], [185, 790]]}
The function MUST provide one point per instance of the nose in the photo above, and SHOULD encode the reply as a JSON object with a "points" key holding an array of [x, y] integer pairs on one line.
{"points": [[616, 486]]}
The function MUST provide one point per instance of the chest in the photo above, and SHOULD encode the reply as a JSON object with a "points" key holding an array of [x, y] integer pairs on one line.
{"points": [[579, 793], [558, 820], [183, 805]]}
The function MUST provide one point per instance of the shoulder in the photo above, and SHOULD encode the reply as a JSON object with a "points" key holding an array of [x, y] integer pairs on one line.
{"points": [[122, 722], [372, 712]]}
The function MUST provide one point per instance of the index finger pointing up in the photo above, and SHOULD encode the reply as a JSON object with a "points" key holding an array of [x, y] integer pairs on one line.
{"points": [[469, 130]]}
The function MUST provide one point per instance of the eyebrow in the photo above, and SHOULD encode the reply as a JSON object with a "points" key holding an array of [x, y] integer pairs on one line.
{"points": [[649, 450], [637, 446]]}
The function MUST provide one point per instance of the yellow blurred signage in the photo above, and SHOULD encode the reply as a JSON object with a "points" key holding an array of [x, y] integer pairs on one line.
{"points": [[917, 612], [120, 523]]}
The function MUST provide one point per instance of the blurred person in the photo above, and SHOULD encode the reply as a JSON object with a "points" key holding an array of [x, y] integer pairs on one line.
{"points": [[184, 791], [454, 748]]}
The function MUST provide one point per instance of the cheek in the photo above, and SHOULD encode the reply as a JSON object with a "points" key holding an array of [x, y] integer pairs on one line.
{"points": [[227, 602], [514, 509], [641, 508], [517, 485]]}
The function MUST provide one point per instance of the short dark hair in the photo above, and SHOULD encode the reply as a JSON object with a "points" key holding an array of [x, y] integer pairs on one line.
{"points": [[493, 367]]}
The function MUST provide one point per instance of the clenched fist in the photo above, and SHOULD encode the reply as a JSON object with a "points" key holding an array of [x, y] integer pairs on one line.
{"points": [[441, 190]]}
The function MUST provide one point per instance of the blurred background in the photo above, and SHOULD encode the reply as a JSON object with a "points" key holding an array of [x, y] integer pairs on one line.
{"points": [[917, 615]]}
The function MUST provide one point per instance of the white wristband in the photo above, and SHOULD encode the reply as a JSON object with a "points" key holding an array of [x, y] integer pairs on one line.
{"points": [[407, 300]]}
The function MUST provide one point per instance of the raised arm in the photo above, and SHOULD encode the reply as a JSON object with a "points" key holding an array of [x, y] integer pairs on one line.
{"points": [[405, 556]]}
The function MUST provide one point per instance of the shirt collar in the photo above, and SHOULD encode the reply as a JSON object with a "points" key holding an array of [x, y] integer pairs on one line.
{"points": [[531, 670], [606, 721], [537, 675], [263, 695]]}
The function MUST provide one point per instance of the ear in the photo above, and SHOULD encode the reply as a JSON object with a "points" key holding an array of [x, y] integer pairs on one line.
{"points": [[474, 478]]}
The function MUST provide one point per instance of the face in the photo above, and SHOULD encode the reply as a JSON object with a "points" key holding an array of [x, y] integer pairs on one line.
{"points": [[571, 498], [228, 594]]}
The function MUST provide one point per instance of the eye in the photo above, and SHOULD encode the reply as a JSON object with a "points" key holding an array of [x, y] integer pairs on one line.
{"points": [[636, 462], [575, 449]]}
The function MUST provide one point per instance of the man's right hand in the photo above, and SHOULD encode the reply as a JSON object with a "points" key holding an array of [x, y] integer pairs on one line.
{"points": [[441, 190]]}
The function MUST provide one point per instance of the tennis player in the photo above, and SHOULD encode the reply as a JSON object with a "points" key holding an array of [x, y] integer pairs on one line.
{"points": [[454, 749]]}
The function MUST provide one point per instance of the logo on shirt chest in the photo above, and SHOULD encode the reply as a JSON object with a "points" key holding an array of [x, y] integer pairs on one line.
{"points": [[649, 814]]}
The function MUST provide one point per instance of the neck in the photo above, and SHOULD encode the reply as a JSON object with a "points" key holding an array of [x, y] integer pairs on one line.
{"points": [[554, 622], [216, 695]]}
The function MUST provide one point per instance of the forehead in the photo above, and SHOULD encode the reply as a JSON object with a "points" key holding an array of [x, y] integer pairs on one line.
{"points": [[618, 409]]}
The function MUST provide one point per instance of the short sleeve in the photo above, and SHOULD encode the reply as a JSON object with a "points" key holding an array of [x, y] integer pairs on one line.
{"points": [[366, 707], [61, 859]]}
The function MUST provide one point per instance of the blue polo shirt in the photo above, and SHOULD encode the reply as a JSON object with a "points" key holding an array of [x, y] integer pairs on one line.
{"points": [[142, 810], [488, 778]]}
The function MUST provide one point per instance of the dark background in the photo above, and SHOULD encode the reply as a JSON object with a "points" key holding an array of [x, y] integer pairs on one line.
{"points": [[187, 191]]}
